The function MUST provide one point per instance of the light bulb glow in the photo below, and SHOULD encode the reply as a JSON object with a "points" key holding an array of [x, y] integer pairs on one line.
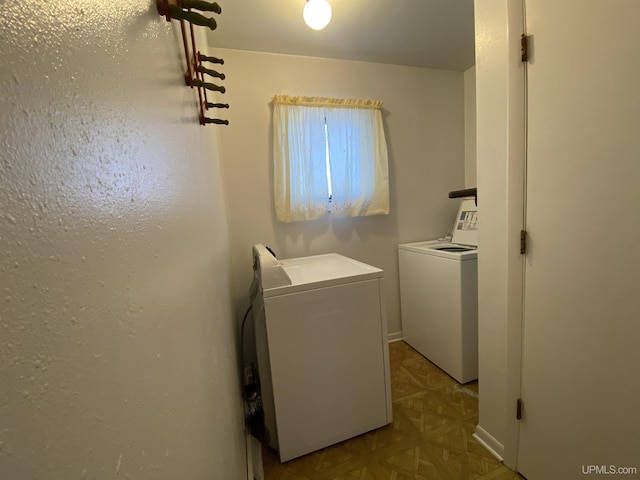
{"points": [[317, 14]]}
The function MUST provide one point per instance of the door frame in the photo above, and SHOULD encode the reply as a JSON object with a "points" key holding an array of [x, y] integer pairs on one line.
{"points": [[516, 222], [501, 148]]}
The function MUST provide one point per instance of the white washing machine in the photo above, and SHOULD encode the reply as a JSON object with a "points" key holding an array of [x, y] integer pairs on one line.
{"points": [[322, 349], [439, 296]]}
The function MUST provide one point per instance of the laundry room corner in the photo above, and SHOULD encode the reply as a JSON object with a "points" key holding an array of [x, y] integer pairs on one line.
{"points": [[423, 114]]}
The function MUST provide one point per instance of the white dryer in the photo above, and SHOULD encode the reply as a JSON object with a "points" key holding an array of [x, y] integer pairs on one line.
{"points": [[439, 296], [322, 348]]}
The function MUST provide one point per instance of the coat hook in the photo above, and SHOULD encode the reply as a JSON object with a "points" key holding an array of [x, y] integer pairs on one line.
{"points": [[194, 75], [170, 9], [205, 120], [191, 17], [201, 5], [217, 105], [209, 86], [213, 73], [205, 58]]}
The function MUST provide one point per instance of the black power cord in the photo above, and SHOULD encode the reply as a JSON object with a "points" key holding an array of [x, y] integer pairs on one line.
{"points": [[250, 385], [244, 320]]}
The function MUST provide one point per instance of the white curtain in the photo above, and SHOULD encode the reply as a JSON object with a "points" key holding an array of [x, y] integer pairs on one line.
{"points": [[355, 143], [300, 173]]}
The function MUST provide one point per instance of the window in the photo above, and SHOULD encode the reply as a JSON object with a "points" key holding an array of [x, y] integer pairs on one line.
{"points": [[329, 155]]}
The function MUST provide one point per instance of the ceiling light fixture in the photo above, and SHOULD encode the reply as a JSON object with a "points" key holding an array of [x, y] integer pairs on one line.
{"points": [[317, 14]]}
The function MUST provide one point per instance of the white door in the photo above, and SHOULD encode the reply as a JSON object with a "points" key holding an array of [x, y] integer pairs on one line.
{"points": [[581, 350]]}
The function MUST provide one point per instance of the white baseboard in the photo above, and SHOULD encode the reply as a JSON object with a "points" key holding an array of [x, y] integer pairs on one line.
{"points": [[485, 439], [394, 337]]}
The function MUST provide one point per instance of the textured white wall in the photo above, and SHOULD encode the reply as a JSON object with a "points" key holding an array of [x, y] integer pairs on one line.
{"points": [[117, 348], [423, 113]]}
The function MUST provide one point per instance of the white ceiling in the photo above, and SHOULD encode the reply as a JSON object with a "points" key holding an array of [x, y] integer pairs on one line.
{"points": [[423, 33]]}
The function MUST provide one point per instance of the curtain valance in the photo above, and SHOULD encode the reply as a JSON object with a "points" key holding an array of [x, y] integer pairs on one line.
{"points": [[326, 102]]}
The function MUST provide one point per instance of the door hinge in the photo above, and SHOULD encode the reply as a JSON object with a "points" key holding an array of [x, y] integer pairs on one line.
{"points": [[523, 242], [524, 48], [519, 409]]}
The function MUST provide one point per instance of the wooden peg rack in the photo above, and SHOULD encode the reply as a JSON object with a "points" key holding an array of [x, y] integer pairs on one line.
{"points": [[183, 11]]}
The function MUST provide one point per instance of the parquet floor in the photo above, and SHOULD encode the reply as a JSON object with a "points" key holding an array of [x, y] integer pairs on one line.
{"points": [[429, 439]]}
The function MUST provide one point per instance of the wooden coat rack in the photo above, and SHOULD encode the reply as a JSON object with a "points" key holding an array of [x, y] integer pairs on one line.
{"points": [[183, 11]]}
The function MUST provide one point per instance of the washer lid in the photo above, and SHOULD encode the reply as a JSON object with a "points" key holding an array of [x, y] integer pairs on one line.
{"points": [[437, 248], [465, 230]]}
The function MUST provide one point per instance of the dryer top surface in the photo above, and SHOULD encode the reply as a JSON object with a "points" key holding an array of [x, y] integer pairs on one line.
{"points": [[303, 273]]}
